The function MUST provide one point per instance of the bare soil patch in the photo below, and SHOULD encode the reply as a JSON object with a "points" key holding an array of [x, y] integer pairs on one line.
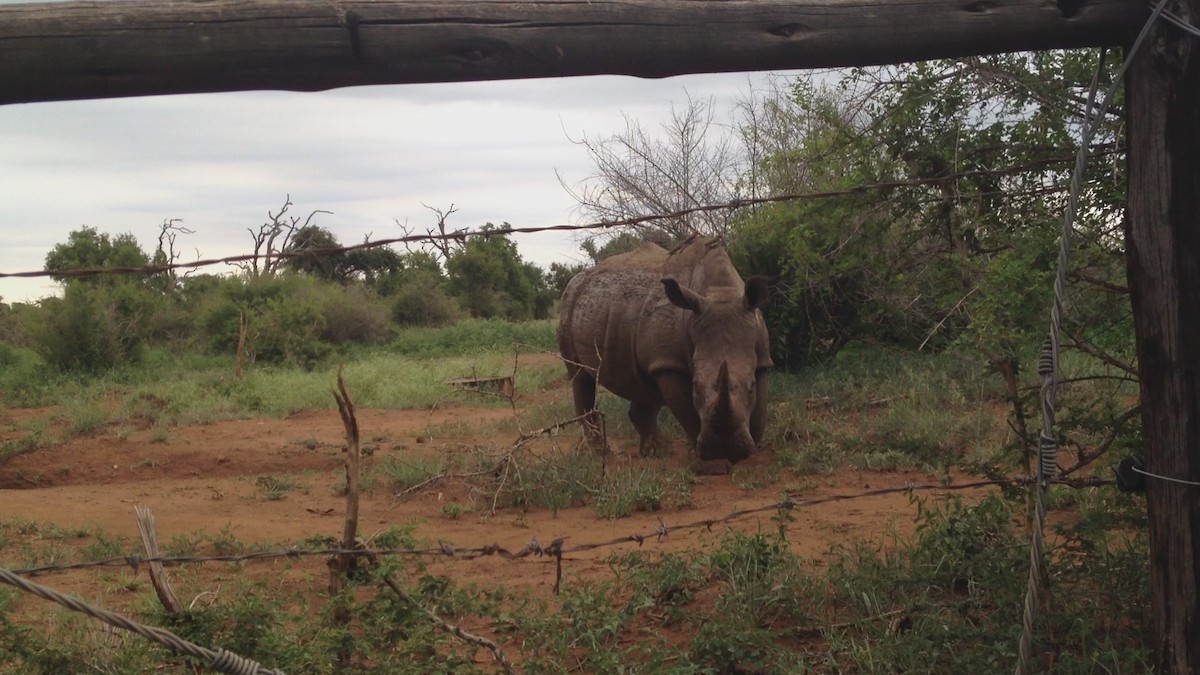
{"points": [[206, 479]]}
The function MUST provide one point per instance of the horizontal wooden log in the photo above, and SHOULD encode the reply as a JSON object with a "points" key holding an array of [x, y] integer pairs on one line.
{"points": [[75, 50]]}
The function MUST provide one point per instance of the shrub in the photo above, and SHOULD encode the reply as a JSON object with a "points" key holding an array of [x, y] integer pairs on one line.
{"points": [[420, 299], [291, 318], [351, 314], [83, 334]]}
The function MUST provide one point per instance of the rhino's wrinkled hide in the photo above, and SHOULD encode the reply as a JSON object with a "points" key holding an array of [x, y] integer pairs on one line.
{"points": [[679, 329]]}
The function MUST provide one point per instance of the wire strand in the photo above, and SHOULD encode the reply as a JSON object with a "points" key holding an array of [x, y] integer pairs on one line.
{"points": [[463, 235]]}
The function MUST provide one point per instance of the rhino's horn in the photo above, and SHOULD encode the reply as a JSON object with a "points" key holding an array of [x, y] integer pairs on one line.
{"points": [[723, 410], [723, 377]]}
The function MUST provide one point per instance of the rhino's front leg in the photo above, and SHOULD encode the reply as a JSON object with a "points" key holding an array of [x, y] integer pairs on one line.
{"points": [[676, 391], [644, 417]]}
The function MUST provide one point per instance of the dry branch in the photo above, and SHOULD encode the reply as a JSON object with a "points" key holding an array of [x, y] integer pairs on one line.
{"points": [[343, 564], [158, 577], [456, 631]]}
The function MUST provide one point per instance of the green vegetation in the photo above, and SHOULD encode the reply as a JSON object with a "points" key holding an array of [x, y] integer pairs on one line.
{"points": [[304, 311], [904, 324], [947, 599]]}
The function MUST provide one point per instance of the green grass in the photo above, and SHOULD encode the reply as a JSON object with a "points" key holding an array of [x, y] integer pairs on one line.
{"points": [[477, 335], [168, 389]]}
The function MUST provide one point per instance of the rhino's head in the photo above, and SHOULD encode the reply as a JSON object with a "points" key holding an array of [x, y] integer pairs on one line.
{"points": [[724, 333]]}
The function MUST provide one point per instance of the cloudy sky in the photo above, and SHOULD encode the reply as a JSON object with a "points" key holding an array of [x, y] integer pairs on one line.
{"points": [[371, 155]]}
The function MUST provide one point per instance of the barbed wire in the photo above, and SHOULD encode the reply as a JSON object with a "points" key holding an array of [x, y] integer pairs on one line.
{"points": [[557, 547], [463, 235], [219, 660]]}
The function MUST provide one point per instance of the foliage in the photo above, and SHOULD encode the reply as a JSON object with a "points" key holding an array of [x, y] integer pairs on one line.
{"points": [[84, 334], [490, 280], [626, 241], [295, 309], [314, 244], [476, 335], [291, 318], [420, 298], [19, 323], [962, 248], [86, 248]]}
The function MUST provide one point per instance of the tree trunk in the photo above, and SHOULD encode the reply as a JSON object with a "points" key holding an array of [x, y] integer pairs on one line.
{"points": [[72, 50], [1163, 250]]}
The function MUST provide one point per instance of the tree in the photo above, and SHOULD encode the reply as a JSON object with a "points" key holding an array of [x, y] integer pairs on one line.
{"points": [[627, 241], [314, 250], [692, 161], [273, 238], [165, 254], [86, 248], [417, 291], [489, 278], [962, 248]]}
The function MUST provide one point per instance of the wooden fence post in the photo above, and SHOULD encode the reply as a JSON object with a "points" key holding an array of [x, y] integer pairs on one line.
{"points": [[1163, 253]]}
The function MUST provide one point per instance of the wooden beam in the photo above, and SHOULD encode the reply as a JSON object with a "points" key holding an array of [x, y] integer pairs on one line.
{"points": [[76, 50], [1162, 240]]}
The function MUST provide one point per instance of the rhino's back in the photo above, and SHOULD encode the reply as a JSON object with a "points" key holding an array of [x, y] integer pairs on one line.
{"points": [[648, 256], [701, 263], [598, 322]]}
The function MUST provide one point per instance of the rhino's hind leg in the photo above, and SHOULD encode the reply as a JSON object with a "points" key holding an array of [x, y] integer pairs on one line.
{"points": [[644, 417], [583, 389]]}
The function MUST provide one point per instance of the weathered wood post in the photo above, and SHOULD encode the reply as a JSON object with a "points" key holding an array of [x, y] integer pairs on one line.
{"points": [[1162, 228]]}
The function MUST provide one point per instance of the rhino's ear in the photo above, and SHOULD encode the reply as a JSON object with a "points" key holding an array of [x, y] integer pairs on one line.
{"points": [[757, 292], [682, 297]]}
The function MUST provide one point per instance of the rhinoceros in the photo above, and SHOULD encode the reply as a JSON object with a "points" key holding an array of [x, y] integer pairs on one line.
{"points": [[676, 328]]}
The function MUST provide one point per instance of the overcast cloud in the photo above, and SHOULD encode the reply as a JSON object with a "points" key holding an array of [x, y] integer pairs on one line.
{"points": [[371, 155]]}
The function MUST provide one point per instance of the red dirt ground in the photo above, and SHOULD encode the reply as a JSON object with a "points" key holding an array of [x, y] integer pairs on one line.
{"points": [[203, 478]]}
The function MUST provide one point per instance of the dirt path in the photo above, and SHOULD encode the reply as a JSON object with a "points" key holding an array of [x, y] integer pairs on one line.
{"points": [[205, 479]]}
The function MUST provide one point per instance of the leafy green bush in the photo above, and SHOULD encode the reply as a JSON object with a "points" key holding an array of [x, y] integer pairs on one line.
{"points": [[490, 280], [352, 314], [420, 299], [291, 318], [84, 334]]}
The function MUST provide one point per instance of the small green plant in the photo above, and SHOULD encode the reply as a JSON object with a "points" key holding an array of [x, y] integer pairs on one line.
{"points": [[309, 443], [275, 487], [20, 445], [557, 481], [453, 510], [754, 478], [183, 545], [87, 418], [224, 542], [102, 547], [626, 491]]}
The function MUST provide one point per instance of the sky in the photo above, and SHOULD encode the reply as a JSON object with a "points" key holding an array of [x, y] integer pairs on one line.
{"points": [[370, 155]]}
